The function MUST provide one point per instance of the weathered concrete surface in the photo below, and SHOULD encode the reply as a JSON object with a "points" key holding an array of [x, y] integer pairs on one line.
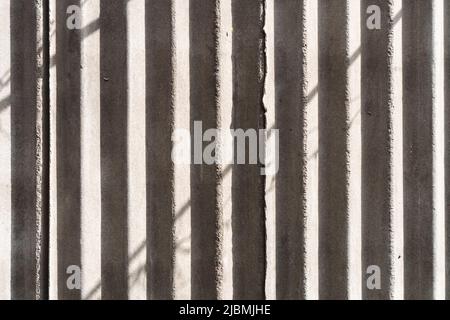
{"points": [[68, 146], [296, 117], [248, 220], [82, 219], [290, 118], [159, 115], [271, 182], [418, 148], [90, 169], [339, 147], [137, 191], [28, 251], [380, 133], [225, 100], [422, 151], [363, 149], [205, 179], [182, 183], [114, 147]]}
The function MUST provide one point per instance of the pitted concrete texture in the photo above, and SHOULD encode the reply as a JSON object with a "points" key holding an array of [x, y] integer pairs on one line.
{"points": [[27, 277], [87, 128]]}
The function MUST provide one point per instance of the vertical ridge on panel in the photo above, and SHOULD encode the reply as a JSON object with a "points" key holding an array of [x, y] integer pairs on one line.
{"points": [[205, 211], [419, 149], [26, 149], [114, 148], [182, 190], [137, 282], [270, 163], [225, 104], [333, 202], [249, 235], [90, 152], [377, 129], [290, 119], [339, 150], [43, 153], [68, 62], [159, 127], [396, 169], [354, 148], [311, 153], [5, 151], [438, 115], [53, 230]]}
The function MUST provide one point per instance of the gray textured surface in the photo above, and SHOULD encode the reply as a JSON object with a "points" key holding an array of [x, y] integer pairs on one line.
{"points": [[68, 79], [364, 149], [248, 185], [333, 127], [159, 127], [419, 149], [26, 104], [377, 143], [205, 179], [290, 117]]}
